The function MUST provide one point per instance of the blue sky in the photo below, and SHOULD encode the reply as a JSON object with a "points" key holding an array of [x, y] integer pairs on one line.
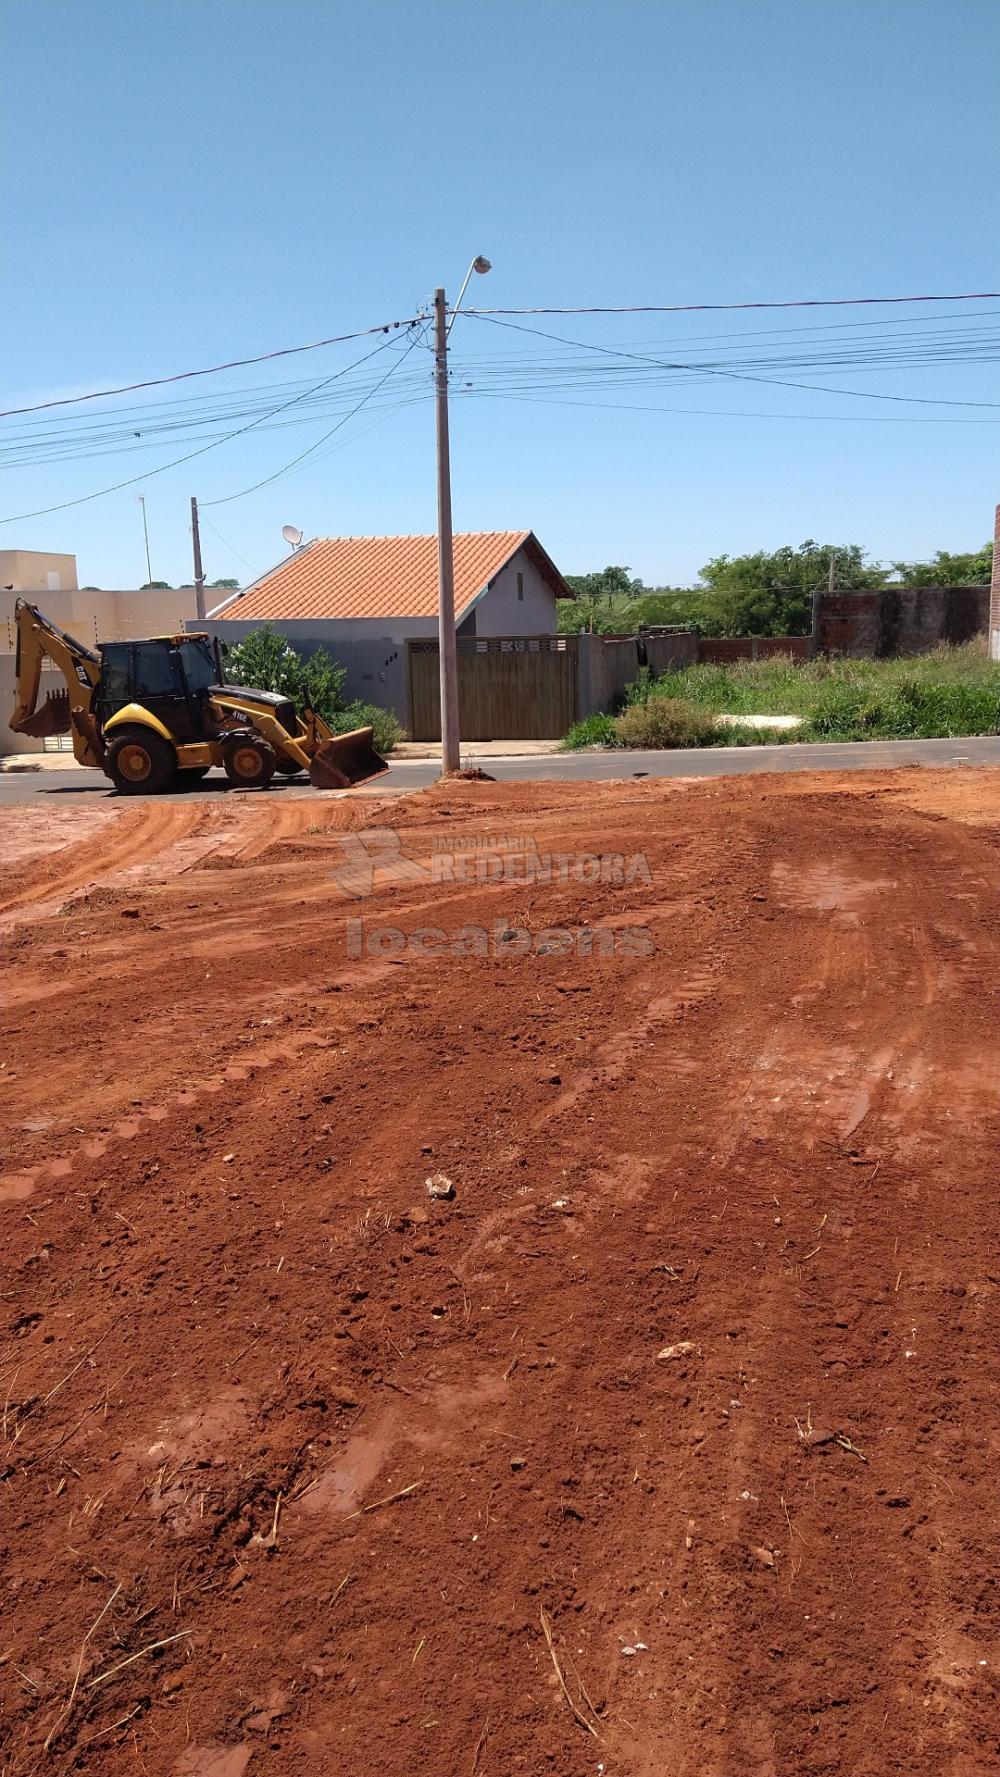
{"points": [[197, 180]]}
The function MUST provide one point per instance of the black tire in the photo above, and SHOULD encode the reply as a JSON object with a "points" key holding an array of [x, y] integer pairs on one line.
{"points": [[249, 762], [193, 774], [288, 767], [140, 762]]}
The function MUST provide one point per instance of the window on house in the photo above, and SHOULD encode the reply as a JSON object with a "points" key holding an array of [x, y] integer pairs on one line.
{"points": [[520, 586]]}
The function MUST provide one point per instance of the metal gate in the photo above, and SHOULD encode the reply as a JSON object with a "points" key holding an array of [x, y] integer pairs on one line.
{"points": [[509, 687]]}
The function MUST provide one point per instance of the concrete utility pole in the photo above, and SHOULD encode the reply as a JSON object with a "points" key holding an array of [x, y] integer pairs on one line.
{"points": [[447, 648], [199, 572], [447, 645], [831, 586]]}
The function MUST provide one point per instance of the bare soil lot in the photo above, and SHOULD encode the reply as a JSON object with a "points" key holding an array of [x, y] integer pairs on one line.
{"points": [[307, 1471]]}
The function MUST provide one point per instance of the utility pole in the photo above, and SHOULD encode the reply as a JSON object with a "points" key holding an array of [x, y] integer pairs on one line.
{"points": [[448, 650], [145, 533], [199, 572], [831, 586]]}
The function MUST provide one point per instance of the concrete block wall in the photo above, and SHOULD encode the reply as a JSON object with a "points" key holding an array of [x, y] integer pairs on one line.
{"points": [[606, 664]]}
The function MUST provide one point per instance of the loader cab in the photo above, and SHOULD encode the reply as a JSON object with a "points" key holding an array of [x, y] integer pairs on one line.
{"points": [[170, 676]]}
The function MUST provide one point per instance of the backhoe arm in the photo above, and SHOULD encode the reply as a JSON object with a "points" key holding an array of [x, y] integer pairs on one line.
{"points": [[63, 712]]}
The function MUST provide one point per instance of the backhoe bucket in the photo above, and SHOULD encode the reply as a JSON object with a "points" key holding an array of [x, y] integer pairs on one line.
{"points": [[345, 760], [51, 718]]}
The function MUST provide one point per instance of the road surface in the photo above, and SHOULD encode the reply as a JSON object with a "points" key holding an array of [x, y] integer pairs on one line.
{"points": [[60, 787]]}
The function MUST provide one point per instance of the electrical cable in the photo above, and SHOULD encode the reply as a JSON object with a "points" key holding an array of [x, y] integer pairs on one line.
{"points": [[732, 375], [191, 454], [228, 546], [181, 376], [691, 308], [386, 327], [227, 498]]}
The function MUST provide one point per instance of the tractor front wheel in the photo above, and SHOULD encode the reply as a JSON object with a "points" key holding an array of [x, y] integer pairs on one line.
{"points": [[249, 762], [141, 763]]}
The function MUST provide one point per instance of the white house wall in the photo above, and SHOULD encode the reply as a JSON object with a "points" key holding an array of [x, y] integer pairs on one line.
{"points": [[501, 613]]}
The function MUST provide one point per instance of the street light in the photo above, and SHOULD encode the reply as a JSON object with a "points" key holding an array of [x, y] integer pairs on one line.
{"points": [[451, 747], [482, 266]]}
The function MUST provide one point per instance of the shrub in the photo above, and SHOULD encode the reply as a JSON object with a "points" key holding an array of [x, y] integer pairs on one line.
{"points": [[665, 722], [387, 731], [266, 661], [592, 731]]}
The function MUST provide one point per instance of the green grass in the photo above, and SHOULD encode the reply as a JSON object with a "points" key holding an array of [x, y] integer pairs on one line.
{"points": [[952, 691]]}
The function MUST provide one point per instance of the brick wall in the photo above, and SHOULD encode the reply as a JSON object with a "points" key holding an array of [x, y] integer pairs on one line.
{"points": [[893, 620]]}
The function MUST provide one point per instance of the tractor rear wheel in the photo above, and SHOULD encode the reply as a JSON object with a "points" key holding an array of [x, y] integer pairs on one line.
{"points": [[140, 762], [249, 762]]}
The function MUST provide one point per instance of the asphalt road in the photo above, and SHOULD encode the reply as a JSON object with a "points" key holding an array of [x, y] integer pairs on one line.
{"points": [[60, 787]]}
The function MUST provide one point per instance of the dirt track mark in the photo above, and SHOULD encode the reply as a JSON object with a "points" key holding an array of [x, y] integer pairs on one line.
{"points": [[136, 837]]}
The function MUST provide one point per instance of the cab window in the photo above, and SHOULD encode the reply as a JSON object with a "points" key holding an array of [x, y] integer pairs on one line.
{"points": [[199, 665], [154, 673], [115, 673]]}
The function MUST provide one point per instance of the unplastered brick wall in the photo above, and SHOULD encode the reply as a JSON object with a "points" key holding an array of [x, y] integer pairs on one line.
{"points": [[895, 620], [995, 591]]}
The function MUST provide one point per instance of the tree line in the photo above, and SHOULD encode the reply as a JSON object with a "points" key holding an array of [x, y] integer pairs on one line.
{"points": [[767, 593]]}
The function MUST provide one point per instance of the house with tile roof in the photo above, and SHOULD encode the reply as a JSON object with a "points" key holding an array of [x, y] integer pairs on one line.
{"points": [[364, 598]]}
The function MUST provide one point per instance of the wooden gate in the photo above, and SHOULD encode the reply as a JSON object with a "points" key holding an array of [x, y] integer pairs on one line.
{"points": [[509, 687]]}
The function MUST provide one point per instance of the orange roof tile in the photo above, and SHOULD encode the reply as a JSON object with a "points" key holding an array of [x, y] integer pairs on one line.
{"points": [[383, 577]]}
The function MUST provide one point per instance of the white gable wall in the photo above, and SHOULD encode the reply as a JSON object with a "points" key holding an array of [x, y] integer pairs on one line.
{"points": [[501, 613]]}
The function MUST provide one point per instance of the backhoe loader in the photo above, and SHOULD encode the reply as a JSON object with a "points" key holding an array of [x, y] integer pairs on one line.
{"points": [[152, 713]]}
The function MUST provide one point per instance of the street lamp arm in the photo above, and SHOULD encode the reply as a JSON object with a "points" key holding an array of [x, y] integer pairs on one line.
{"points": [[479, 264]]}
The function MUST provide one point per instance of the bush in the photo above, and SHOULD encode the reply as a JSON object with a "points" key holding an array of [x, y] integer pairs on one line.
{"points": [[665, 722], [387, 731], [266, 661], [592, 731]]}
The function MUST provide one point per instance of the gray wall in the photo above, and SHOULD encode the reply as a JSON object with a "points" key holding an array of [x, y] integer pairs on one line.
{"points": [[373, 650], [606, 664]]}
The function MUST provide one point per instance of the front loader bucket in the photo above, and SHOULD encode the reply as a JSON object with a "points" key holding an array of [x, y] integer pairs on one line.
{"points": [[51, 718], [345, 760]]}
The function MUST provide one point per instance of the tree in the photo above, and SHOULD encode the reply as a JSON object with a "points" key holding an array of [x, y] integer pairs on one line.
{"points": [[770, 592], [609, 584], [156, 586], [224, 585], [267, 661], [971, 569]]}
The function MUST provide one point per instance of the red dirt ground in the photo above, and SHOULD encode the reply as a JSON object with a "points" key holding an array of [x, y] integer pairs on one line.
{"points": [[302, 1468]]}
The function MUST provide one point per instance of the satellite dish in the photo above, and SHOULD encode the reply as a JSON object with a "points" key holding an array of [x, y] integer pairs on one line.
{"points": [[291, 535]]}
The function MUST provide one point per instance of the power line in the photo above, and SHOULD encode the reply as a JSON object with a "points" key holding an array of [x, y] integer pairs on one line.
{"points": [[728, 413], [677, 308], [692, 308], [147, 475], [731, 375], [320, 441], [180, 376], [229, 547]]}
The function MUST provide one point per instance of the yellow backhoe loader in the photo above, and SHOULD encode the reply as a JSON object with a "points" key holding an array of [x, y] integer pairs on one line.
{"points": [[153, 712]]}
